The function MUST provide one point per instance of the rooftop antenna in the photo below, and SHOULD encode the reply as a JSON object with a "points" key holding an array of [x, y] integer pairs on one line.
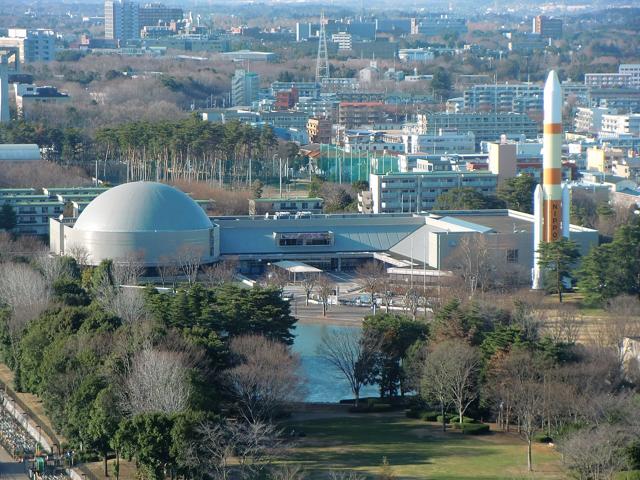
{"points": [[322, 62]]}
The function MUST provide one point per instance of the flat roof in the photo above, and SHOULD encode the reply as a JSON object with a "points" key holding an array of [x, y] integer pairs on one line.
{"points": [[296, 267]]}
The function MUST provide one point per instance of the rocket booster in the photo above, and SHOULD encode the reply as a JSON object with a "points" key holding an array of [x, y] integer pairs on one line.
{"points": [[552, 159]]}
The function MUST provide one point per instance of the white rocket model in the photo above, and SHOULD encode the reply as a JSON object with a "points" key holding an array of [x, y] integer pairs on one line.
{"points": [[551, 199]]}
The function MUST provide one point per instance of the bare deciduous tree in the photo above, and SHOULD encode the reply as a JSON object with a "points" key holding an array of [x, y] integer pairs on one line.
{"points": [[411, 301], [128, 270], [370, 277], [80, 254], [351, 354], [265, 378], [276, 277], [596, 453], [308, 283], [168, 270], [450, 375], [473, 261], [325, 290], [525, 384], [26, 294], [156, 380], [221, 272], [52, 267], [189, 258]]}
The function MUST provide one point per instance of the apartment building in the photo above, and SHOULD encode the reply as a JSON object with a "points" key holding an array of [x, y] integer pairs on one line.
{"points": [[319, 130], [614, 126], [485, 126], [417, 191], [601, 159], [444, 141], [305, 89], [608, 80], [355, 114], [589, 120], [245, 87], [519, 98], [28, 96]]}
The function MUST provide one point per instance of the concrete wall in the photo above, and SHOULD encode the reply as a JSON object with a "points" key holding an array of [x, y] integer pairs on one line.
{"points": [[153, 246]]}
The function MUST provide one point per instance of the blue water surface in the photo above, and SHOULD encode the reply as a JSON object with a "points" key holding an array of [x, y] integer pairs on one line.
{"points": [[323, 382]]}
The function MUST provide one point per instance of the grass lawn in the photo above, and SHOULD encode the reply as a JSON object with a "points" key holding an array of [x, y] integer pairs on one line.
{"points": [[415, 450]]}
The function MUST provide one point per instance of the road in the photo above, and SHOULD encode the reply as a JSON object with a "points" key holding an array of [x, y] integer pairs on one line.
{"points": [[10, 469]]}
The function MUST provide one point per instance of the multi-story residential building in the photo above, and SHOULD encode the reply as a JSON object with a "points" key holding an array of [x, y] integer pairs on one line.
{"points": [[355, 114], [343, 39], [33, 45], [286, 99], [601, 159], [418, 191], [589, 120], [339, 84], [416, 55], [244, 87], [444, 141], [578, 93], [28, 96], [305, 89], [614, 126], [296, 120], [320, 108], [608, 80], [371, 141], [632, 69], [519, 98], [121, 20], [319, 130], [153, 14], [547, 27], [486, 126]]}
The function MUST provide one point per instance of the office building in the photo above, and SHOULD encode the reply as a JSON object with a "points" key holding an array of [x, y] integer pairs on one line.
{"points": [[245, 87], [527, 42], [417, 191], [438, 25], [33, 45], [287, 205], [547, 27], [121, 20], [420, 55], [29, 96], [154, 14], [485, 126]]}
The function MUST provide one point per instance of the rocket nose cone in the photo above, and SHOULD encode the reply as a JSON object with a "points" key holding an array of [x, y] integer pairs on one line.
{"points": [[552, 82]]}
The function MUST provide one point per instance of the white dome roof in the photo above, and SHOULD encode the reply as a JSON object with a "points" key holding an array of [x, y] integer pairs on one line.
{"points": [[142, 207]]}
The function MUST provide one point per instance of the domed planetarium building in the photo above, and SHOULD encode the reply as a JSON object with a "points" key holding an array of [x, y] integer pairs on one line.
{"points": [[150, 221]]}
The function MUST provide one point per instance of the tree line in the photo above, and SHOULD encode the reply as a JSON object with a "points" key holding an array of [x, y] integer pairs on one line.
{"points": [[179, 383]]}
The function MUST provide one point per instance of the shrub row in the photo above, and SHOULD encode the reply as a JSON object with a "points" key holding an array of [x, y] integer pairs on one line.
{"points": [[371, 408], [472, 428]]}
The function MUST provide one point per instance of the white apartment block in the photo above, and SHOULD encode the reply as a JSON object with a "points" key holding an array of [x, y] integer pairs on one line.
{"points": [[33, 45], [418, 191], [589, 120], [443, 142], [620, 125], [519, 97], [608, 80], [343, 39]]}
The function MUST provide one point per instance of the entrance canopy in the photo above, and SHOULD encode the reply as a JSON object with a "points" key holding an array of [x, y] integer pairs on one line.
{"points": [[296, 267]]}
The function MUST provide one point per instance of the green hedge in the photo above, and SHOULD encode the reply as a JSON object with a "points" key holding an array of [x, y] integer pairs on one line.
{"points": [[472, 428], [542, 438]]}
